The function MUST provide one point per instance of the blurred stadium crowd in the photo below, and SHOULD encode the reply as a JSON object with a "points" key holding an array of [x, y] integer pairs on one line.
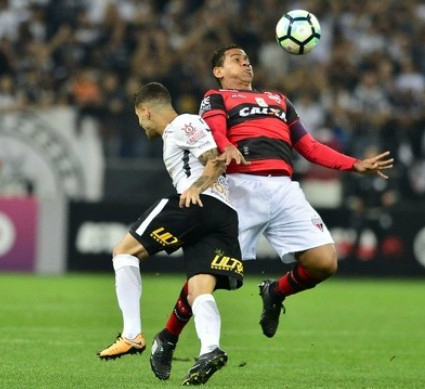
{"points": [[361, 90]]}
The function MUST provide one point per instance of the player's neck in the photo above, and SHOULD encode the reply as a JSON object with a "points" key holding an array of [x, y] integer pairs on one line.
{"points": [[166, 116], [239, 85]]}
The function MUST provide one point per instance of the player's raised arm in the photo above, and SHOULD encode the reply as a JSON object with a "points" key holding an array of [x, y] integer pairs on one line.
{"points": [[213, 168], [374, 165]]}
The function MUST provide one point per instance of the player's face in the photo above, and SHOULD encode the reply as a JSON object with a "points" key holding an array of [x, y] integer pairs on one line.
{"points": [[145, 121], [236, 69]]}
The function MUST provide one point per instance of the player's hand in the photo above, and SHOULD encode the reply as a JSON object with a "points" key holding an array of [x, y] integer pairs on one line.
{"points": [[190, 196], [231, 153], [374, 165]]}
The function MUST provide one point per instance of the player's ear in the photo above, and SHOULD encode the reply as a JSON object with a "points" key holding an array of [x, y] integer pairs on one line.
{"points": [[218, 72], [147, 111]]}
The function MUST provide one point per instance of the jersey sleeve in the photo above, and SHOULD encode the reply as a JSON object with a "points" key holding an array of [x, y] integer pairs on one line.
{"points": [[212, 104], [291, 113], [320, 154], [195, 136], [218, 125], [214, 111], [313, 150]]}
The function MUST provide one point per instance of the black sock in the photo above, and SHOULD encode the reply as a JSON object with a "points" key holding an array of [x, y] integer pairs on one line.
{"points": [[165, 336], [274, 294]]}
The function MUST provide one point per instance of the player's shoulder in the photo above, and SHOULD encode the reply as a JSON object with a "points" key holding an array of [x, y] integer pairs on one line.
{"points": [[222, 92], [212, 92], [186, 118], [188, 123], [275, 93]]}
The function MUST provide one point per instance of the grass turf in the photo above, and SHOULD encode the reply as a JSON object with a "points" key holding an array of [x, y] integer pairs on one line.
{"points": [[344, 334]]}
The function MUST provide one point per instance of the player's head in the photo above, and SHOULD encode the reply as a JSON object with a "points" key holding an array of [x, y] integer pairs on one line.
{"points": [[231, 68], [150, 102]]}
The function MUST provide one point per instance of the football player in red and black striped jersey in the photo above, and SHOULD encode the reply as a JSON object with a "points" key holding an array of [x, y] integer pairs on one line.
{"points": [[256, 133]]}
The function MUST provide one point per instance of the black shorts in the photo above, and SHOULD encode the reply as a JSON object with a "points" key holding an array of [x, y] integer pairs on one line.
{"points": [[208, 236]]}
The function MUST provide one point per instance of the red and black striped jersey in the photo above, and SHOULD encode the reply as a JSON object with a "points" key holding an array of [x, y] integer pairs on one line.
{"points": [[265, 127]]}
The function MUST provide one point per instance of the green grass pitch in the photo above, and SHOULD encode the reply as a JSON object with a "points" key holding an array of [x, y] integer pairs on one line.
{"points": [[344, 334]]}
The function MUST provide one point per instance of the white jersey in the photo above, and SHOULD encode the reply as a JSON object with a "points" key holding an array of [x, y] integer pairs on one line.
{"points": [[185, 139]]}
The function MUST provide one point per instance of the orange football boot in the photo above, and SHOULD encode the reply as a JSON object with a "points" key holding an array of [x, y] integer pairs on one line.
{"points": [[123, 346]]}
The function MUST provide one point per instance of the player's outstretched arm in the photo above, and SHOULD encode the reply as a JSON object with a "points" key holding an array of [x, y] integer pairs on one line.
{"points": [[374, 165], [212, 170]]}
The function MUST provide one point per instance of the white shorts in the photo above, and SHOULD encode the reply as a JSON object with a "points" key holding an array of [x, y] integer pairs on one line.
{"points": [[277, 208]]}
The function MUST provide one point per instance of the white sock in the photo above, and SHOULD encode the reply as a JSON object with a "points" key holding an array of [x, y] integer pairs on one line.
{"points": [[207, 322], [128, 286]]}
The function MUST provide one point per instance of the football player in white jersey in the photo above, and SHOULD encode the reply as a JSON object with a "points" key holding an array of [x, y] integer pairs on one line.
{"points": [[199, 219]]}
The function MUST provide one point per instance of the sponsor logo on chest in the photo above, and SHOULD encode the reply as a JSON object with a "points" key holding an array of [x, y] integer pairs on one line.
{"points": [[251, 111]]}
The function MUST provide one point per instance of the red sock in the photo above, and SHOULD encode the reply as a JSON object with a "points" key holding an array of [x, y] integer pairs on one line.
{"points": [[295, 281], [180, 315]]}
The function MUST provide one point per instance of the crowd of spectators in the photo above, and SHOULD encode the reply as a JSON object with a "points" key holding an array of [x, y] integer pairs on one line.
{"points": [[361, 90]]}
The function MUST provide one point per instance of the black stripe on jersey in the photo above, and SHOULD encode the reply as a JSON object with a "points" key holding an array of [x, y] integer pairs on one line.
{"points": [[211, 103], [265, 148], [186, 166], [291, 113], [243, 112]]}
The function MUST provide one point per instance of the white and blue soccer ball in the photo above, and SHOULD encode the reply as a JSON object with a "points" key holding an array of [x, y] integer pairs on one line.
{"points": [[298, 32]]}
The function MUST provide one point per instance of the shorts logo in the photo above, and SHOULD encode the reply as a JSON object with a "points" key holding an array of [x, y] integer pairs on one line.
{"points": [[221, 262], [317, 222], [164, 238]]}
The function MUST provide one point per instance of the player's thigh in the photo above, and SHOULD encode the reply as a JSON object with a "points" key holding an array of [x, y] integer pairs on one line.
{"points": [[129, 245], [251, 202], [166, 226], [288, 239], [295, 225], [210, 256]]}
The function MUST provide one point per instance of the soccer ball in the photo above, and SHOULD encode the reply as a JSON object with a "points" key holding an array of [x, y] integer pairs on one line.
{"points": [[298, 32]]}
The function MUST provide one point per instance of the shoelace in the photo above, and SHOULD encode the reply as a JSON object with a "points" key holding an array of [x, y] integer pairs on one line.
{"points": [[116, 340]]}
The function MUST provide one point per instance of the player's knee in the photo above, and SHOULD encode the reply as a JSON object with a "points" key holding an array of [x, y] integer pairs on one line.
{"points": [[322, 262], [120, 249], [323, 269], [192, 294], [200, 284], [191, 298], [329, 265], [117, 250]]}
